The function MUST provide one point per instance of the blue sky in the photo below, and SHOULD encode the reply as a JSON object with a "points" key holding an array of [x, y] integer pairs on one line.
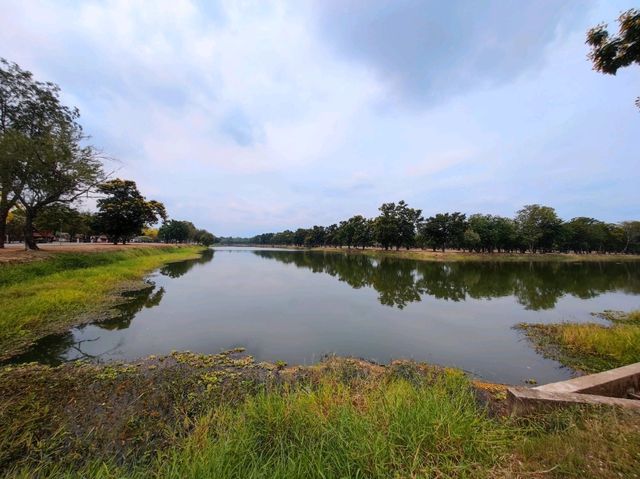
{"points": [[254, 116]]}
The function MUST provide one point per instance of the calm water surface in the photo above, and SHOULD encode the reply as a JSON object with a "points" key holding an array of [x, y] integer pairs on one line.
{"points": [[297, 306]]}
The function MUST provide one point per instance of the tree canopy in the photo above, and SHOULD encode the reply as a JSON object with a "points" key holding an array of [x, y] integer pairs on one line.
{"points": [[609, 52], [43, 160], [123, 212], [535, 228]]}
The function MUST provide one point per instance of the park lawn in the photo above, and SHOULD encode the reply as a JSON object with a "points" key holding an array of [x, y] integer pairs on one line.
{"points": [[590, 347], [199, 416], [55, 293]]}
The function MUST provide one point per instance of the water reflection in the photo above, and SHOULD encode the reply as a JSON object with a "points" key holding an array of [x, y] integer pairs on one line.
{"points": [[175, 270], [535, 285], [86, 342]]}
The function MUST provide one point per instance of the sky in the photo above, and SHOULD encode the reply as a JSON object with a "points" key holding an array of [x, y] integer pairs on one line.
{"points": [[255, 116]]}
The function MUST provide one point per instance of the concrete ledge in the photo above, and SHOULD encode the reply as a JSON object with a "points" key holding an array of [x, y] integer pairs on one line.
{"points": [[612, 383], [607, 388], [523, 400]]}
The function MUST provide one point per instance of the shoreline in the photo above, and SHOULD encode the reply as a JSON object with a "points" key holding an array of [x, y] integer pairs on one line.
{"points": [[85, 294], [226, 415], [461, 256]]}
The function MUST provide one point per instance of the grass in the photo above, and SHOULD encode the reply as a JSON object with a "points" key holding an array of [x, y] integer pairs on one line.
{"points": [[590, 347], [452, 255], [220, 416], [46, 296]]}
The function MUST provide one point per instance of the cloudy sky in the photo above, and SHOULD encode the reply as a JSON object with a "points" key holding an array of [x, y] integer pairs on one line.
{"points": [[252, 116]]}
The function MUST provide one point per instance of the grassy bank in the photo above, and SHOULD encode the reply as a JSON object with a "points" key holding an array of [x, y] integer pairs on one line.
{"points": [[428, 255], [590, 347], [226, 416], [46, 296]]}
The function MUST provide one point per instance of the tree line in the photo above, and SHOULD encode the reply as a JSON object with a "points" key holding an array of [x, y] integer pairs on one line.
{"points": [[47, 168], [535, 229]]}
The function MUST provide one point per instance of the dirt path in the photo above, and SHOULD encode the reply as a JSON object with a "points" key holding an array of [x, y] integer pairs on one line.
{"points": [[15, 253]]}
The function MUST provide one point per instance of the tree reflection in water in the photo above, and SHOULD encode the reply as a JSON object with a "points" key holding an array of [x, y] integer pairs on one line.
{"points": [[180, 268], [399, 282], [58, 348]]}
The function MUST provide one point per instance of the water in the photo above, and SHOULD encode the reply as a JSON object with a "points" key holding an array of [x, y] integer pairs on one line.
{"points": [[297, 306]]}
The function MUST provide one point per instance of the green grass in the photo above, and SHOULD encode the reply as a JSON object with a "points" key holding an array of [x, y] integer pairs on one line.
{"points": [[590, 347], [343, 418], [44, 296]]}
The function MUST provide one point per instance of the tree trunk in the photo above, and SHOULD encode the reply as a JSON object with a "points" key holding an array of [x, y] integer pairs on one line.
{"points": [[4, 213], [29, 242]]}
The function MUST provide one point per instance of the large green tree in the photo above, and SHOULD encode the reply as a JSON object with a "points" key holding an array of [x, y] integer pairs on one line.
{"points": [[42, 158], [174, 231], [62, 218], [444, 230], [609, 52], [539, 227], [396, 225], [60, 171], [123, 212]]}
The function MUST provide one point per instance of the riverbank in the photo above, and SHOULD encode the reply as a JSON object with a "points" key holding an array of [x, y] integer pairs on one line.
{"points": [[188, 415], [454, 255], [15, 253], [590, 347], [66, 289]]}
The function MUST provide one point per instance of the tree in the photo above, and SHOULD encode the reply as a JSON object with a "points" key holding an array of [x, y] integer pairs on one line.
{"points": [[150, 233], [123, 212], [62, 218], [409, 220], [471, 239], [363, 232], [444, 230], [174, 231], [35, 127], [631, 235], [314, 236], [539, 226], [59, 171], [610, 53], [396, 225], [386, 227], [584, 235], [204, 238], [11, 148]]}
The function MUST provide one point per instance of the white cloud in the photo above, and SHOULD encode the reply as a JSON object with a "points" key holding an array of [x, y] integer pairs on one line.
{"points": [[242, 117]]}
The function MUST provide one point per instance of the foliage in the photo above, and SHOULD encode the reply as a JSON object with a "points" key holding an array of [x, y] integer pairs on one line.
{"points": [[610, 53], [536, 228], [396, 225], [444, 230], [174, 231], [41, 153], [123, 212]]}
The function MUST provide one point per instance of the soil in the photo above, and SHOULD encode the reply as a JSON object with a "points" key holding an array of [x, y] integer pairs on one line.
{"points": [[15, 253]]}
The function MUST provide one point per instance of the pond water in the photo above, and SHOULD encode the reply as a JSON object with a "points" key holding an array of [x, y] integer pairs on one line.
{"points": [[297, 306]]}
